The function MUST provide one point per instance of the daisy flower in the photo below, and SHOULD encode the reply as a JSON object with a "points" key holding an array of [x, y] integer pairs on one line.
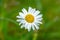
{"points": [[30, 19]]}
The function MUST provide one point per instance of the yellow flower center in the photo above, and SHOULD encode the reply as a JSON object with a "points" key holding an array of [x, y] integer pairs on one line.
{"points": [[29, 18]]}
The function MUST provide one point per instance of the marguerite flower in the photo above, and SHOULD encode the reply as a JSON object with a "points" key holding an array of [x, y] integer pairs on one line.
{"points": [[30, 19]]}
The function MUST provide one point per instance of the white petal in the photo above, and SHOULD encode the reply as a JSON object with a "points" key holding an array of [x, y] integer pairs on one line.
{"points": [[37, 12], [24, 10], [39, 16], [36, 23], [33, 27], [33, 10], [29, 27], [39, 22], [19, 16], [29, 9], [18, 20], [39, 19], [20, 13], [22, 26], [26, 26], [22, 21], [36, 26]]}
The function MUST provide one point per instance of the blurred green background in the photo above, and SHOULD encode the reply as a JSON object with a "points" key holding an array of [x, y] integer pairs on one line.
{"points": [[10, 29]]}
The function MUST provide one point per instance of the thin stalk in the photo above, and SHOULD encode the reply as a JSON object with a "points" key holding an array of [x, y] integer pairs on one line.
{"points": [[35, 35]]}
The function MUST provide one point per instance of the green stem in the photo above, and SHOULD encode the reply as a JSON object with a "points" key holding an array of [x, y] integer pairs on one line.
{"points": [[35, 36]]}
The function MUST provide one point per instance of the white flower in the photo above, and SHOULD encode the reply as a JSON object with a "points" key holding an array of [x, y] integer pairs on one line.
{"points": [[30, 19]]}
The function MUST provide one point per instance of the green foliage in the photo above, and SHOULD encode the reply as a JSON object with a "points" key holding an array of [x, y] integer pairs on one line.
{"points": [[10, 29]]}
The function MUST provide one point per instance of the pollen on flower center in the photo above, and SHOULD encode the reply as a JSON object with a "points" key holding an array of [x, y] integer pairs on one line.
{"points": [[29, 18]]}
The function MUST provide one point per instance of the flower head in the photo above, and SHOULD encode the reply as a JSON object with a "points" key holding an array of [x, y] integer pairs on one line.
{"points": [[29, 19]]}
